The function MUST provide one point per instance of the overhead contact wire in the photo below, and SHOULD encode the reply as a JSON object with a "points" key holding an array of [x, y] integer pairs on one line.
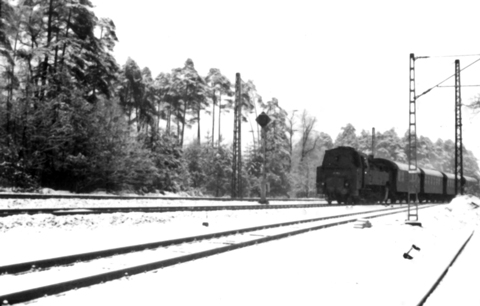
{"points": [[438, 85]]}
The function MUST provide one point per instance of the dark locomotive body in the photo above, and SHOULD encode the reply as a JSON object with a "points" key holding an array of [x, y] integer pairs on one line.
{"points": [[348, 176]]}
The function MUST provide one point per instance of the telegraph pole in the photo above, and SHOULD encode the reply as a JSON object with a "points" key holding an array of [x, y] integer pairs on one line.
{"points": [[237, 141], [412, 147], [458, 133], [373, 142]]}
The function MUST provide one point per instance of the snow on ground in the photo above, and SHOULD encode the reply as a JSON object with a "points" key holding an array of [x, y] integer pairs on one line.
{"points": [[83, 233], [90, 203], [460, 287], [336, 266]]}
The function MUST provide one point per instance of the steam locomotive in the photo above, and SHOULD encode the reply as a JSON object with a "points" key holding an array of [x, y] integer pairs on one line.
{"points": [[351, 177]]}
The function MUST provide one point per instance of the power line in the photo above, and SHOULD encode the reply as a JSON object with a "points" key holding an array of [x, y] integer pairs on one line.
{"points": [[438, 85], [461, 86], [440, 56]]}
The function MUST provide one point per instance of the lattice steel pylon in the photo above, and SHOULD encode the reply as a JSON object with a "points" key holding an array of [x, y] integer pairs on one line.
{"points": [[412, 143], [237, 140], [458, 133]]}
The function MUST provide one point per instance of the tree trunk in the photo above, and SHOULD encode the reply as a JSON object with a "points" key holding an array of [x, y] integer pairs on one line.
{"points": [[66, 36], [157, 124], [129, 109], [12, 77], [213, 118], [177, 112], [198, 114], [56, 56], [137, 118], [253, 136], [219, 117], [183, 123], [7, 122], [258, 129], [169, 119], [307, 189], [49, 38], [290, 149]]}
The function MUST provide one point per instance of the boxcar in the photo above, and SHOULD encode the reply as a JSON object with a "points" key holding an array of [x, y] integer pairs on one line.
{"points": [[431, 185], [448, 186], [470, 184], [398, 181], [469, 181]]}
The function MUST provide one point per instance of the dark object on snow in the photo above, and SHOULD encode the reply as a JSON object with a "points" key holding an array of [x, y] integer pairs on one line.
{"points": [[475, 205], [205, 223], [407, 255], [413, 223]]}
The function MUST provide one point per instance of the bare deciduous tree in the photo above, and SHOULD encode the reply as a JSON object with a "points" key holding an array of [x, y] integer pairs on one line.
{"points": [[307, 124], [291, 131]]}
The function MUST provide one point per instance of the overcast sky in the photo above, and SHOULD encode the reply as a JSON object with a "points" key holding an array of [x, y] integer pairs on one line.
{"points": [[343, 61]]}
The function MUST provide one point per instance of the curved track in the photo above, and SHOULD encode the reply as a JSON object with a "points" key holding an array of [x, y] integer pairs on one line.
{"points": [[69, 272]]}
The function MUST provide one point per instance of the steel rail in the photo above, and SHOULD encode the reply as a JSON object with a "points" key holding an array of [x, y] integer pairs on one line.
{"points": [[34, 293], [145, 209], [444, 272], [5, 212], [70, 259], [120, 197]]}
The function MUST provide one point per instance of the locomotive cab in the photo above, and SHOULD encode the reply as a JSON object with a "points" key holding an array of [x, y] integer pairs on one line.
{"points": [[341, 174], [348, 176]]}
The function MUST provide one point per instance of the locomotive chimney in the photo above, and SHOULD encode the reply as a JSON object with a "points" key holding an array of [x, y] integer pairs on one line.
{"points": [[373, 141]]}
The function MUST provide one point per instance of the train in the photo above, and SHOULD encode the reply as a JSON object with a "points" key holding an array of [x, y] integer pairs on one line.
{"points": [[348, 176]]}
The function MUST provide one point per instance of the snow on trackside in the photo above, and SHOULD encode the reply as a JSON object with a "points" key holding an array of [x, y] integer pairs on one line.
{"points": [[83, 233], [91, 203], [336, 266], [156, 199], [460, 287]]}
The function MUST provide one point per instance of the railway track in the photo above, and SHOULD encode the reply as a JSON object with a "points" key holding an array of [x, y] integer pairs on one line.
{"points": [[92, 210], [146, 209], [157, 207], [120, 197], [25, 281]]}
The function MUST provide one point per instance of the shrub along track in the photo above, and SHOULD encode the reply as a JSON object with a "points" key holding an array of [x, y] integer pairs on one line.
{"points": [[229, 240]]}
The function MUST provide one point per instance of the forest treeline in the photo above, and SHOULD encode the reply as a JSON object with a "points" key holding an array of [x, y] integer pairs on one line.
{"points": [[72, 118]]}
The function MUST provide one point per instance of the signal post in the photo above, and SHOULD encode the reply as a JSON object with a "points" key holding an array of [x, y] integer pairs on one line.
{"points": [[263, 120]]}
